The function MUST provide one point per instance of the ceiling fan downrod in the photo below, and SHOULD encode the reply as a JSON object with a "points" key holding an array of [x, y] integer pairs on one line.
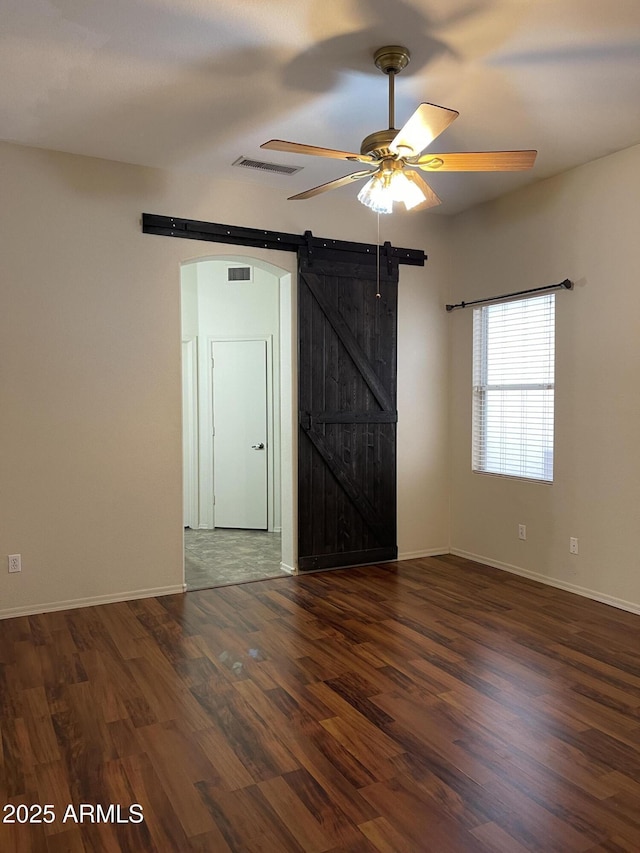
{"points": [[391, 60]]}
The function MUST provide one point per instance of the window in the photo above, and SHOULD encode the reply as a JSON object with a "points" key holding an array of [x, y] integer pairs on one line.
{"points": [[513, 388]]}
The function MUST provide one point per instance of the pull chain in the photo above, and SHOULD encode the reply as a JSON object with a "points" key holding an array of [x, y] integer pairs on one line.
{"points": [[378, 260]]}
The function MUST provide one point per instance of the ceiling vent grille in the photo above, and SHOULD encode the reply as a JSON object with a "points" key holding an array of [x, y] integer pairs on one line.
{"points": [[239, 274], [262, 166]]}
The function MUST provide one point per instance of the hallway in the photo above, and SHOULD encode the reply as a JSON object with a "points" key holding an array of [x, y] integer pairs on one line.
{"points": [[222, 557]]}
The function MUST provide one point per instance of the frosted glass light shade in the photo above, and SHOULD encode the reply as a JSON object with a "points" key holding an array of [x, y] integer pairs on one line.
{"points": [[376, 194], [384, 188]]}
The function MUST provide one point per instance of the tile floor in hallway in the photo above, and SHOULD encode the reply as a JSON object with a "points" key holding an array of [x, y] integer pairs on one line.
{"points": [[229, 556]]}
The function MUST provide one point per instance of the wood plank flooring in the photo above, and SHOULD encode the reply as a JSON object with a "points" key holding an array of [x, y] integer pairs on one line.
{"points": [[430, 705]]}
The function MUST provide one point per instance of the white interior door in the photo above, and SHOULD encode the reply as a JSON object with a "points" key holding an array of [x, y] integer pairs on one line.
{"points": [[240, 433]]}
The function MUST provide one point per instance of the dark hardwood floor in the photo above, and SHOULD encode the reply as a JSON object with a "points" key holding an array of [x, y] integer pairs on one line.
{"points": [[430, 705]]}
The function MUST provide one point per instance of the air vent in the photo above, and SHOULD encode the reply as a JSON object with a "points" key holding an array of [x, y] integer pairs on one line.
{"points": [[278, 168], [239, 274]]}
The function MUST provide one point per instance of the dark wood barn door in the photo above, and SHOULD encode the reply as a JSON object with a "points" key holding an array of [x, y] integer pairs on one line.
{"points": [[347, 417]]}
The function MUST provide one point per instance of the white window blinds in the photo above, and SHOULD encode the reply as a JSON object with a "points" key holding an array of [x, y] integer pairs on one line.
{"points": [[513, 388]]}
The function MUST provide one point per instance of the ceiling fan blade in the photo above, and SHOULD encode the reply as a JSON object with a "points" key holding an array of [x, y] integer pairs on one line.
{"points": [[431, 199], [427, 123], [479, 161], [298, 148], [332, 185]]}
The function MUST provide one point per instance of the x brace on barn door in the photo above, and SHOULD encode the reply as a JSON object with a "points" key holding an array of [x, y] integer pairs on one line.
{"points": [[313, 422], [347, 411]]}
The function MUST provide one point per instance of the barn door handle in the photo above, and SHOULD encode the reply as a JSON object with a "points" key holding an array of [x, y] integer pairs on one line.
{"points": [[258, 446]]}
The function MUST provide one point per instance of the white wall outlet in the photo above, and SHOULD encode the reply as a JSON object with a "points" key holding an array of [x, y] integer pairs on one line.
{"points": [[15, 563], [522, 531], [573, 545]]}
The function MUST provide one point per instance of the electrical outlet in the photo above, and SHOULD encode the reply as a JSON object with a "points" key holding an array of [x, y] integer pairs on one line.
{"points": [[522, 531], [573, 545], [15, 563]]}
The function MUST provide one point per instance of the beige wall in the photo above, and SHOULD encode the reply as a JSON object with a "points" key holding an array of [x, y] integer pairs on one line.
{"points": [[423, 381], [90, 426], [90, 429], [582, 225]]}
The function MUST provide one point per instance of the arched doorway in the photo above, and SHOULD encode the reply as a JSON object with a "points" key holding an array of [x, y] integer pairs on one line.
{"points": [[236, 341]]}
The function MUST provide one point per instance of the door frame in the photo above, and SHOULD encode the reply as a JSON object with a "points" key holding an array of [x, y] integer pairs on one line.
{"points": [[283, 265], [207, 438], [191, 509]]}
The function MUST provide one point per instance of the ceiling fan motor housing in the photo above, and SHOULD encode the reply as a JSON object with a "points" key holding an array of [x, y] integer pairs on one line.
{"points": [[377, 144]]}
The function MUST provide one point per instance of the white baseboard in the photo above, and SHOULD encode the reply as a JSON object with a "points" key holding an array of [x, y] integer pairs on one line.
{"points": [[620, 603], [431, 552], [289, 569], [72, 604]]}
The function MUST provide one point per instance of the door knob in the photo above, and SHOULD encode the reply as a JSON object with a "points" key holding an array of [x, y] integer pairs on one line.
{"points": [[258, 446]]}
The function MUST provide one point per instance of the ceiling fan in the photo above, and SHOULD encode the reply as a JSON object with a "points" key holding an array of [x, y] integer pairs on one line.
{"points": [[396, 155]]}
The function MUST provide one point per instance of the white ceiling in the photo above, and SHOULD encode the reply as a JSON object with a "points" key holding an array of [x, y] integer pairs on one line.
{"points": [[194, 84]]}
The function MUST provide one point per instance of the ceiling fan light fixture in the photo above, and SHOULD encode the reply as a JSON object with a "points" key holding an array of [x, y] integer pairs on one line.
{"points": [[380, 192]]}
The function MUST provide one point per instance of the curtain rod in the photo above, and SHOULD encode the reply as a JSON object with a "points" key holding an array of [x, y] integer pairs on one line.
{"points": [[568, 285]]}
